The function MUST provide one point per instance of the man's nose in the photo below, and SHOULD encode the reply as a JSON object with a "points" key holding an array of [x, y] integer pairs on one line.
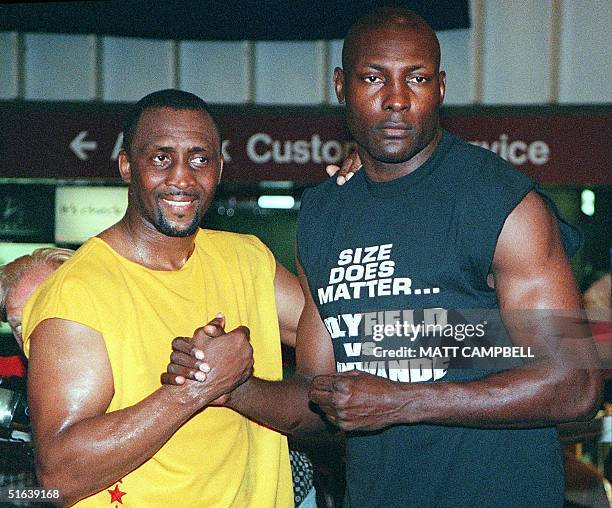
{"points": [[180, 175], [397, 97]]}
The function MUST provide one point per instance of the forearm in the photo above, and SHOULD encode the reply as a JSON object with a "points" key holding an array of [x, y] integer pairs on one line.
{"points": [[281, 405], [96, 452], [529, 397]]}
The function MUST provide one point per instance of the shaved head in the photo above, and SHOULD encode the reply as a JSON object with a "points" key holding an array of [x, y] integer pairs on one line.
{"points": [[392, 89], [386, 17]]}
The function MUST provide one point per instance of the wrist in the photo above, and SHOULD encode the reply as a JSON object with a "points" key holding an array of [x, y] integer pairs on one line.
{"points": [[187, 398], [237, 394], [413, 399]]}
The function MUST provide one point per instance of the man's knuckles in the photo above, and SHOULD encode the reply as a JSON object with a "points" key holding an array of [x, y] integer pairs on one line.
{"points": [[182, 344], [241, 333]]}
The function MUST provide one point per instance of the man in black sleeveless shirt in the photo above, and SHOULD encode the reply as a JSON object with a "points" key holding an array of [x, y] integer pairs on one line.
{"points": [[421, 233], [433, 236]]}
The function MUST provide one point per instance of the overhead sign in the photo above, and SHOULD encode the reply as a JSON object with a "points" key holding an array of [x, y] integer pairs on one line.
{"points": [[83, 212], [80, 147], [565, 145]]}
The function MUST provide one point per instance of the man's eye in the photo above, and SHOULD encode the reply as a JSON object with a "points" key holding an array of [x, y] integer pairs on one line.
{"points": [[160, 158], [372, 79], [418, 79], [199, 160]]}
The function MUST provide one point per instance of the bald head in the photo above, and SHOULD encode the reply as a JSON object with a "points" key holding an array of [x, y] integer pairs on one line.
{"points": [[389, 18]]}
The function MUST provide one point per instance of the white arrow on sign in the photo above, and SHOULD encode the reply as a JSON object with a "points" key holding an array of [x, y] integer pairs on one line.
{"points": [[78, 145]]}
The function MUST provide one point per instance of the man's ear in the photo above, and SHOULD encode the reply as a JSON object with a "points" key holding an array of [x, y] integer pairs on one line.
{"points": [[125, 170], [339, 84], [221, 162], [442, 84]]}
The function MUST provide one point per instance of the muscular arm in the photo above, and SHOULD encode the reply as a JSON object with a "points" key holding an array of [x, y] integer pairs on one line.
{"points": [[80, 448], [282, 405], [531, 272], [289, 303]]}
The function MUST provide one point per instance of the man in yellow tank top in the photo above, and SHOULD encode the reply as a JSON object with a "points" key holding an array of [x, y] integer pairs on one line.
{"points": [[98, 335]]}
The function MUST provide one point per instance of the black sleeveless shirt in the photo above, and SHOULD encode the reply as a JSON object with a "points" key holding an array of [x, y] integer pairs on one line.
{"points": [[385, 261]]}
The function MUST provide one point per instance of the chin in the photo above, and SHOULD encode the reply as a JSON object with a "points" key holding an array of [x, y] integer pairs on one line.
{"points": [[178, 233], [177, 230], [394, 157]]}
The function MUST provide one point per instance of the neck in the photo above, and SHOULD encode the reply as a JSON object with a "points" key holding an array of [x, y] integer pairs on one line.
{"points": [[378, 171], [141, 243]]}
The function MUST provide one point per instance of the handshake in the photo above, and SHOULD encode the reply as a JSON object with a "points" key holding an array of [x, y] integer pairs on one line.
{"points": [[223, 360]]}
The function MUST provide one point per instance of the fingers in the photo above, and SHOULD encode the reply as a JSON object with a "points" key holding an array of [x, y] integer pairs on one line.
{"points": [[185, 360], [323, 383], [216, 326], [185, 345], [322, 391], [177, 375], [213, 330], [331, 390], [332, 395], [224, 353], [183, 365], [186, 372], [345, 172], [346, 168], [355, 166], [333, 382], [332, 169], [172, 379], [220, 319]]}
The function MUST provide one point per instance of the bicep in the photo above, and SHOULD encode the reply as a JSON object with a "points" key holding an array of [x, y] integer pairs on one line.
{"points": [[535, 286], [530, 268], [289, 303], [314, 351], [69, 376]]}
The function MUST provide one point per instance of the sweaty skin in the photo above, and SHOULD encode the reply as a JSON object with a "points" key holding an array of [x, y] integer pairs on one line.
{"points": [[173, 169], [393, 89]]}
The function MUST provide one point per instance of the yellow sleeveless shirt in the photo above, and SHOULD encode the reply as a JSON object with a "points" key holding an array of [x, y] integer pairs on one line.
{"points": [[218, 458]]}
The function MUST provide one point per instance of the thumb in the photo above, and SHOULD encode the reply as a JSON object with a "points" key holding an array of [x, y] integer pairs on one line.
{"points": [[216, 326]]}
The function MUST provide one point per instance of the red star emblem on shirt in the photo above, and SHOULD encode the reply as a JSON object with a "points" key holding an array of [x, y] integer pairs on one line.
{"points": [[116, 494]]}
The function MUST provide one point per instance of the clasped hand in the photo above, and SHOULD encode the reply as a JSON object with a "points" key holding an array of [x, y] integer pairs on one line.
{"points": [[357, 400], [220, 361]]}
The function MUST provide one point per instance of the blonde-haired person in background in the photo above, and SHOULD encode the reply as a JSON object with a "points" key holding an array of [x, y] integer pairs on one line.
{"points": [[19, 279]]}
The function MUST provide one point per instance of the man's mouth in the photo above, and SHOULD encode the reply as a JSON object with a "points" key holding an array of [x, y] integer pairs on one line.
{"points": [[395, 129], [179, 202]]}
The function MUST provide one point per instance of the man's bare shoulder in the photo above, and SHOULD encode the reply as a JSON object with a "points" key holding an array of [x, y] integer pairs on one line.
{"points": [[69, 292]]}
